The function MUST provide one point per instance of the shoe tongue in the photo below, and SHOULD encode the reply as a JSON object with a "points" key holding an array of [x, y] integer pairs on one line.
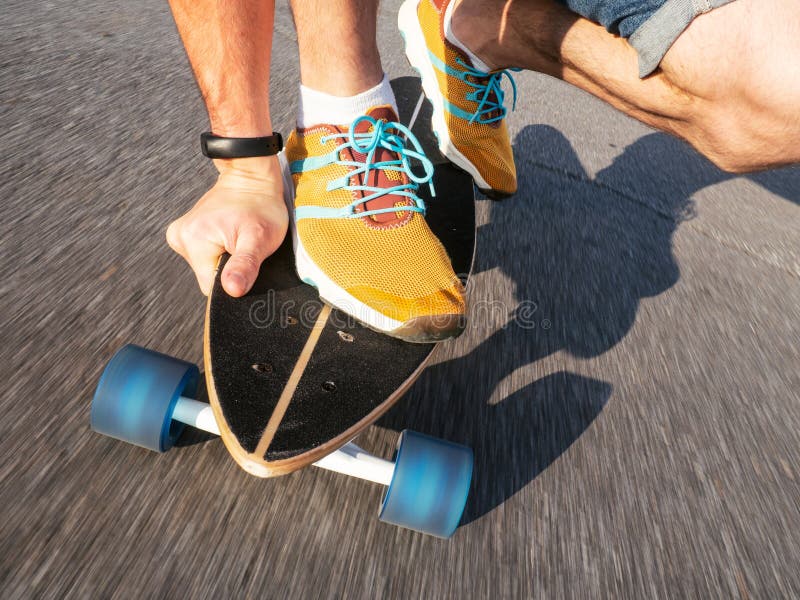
{"points": [[382, 178], [379, 113]]}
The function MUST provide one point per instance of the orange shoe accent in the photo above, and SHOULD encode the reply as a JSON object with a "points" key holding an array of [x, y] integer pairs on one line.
{"points": [[468, 113], [386, 269]]}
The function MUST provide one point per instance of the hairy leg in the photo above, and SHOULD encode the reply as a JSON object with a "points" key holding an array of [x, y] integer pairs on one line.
{"points": [[729, 85], [338, 51]]}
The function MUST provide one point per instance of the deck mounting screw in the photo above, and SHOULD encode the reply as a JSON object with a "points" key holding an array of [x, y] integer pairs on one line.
{"points": [[262, 368], [346, 337], [329, 386]]}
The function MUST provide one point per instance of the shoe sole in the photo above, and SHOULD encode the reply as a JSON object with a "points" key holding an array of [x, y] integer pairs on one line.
{"points": [[424, 329], [417, 54]]}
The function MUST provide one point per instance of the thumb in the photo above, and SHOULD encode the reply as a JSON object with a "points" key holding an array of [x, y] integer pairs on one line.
{"points": [[253, 245]]}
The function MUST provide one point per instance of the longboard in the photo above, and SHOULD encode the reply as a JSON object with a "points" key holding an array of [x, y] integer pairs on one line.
{"points": [[291, 379]]}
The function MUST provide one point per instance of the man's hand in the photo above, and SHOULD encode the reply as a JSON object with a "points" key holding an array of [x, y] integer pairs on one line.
{"points": [[243, 214], [229, 45]]}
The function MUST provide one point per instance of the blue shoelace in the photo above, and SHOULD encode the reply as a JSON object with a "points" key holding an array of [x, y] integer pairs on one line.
{"points": [[484, 92], [392, 136]]}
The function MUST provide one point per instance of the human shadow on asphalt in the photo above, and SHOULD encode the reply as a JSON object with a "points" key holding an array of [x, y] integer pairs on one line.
{"points": [[783, 182], [579, 254], [662, 171]]}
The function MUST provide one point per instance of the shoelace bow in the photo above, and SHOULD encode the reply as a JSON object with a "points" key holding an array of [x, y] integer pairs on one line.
{"points": [[391, 136], [487, 86]]}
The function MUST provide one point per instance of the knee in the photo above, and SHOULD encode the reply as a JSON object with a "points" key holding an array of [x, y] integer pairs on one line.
{"points": [[726, 139], [750, 129], [743, 107]]}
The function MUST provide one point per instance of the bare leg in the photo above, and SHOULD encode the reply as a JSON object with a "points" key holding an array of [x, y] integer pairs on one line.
{"points": [[338, 51], [730, 84], [229, 45]]}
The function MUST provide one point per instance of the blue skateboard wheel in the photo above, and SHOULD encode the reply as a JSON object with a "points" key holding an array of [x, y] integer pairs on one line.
{"points": [[136, 396], [430, 485]]}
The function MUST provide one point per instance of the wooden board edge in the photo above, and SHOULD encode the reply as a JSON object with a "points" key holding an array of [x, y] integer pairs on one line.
{"points": [[255, 464]]}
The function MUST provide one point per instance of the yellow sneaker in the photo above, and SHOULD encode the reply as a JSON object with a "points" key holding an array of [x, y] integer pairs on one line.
{"points": [[359, 229], [468, 104]]}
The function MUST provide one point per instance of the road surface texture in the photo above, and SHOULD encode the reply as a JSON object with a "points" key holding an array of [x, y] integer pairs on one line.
{"points": [[630, 381]]}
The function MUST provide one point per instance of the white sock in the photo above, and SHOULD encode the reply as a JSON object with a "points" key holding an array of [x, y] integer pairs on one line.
{"points": [[317, 107], [451, 37]]}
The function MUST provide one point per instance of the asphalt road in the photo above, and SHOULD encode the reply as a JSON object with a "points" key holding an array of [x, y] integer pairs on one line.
{"points": [[631, 387]]}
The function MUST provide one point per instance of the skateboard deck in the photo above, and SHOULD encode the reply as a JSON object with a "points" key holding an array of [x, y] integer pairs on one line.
{"points": [[291, 379]]}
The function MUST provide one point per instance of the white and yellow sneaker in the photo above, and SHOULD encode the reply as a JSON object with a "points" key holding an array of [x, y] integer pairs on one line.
{"points": [[360, 233]]}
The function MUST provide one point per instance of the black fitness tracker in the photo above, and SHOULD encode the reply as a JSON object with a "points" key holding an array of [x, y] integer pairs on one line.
{"points": [[215, 146]]}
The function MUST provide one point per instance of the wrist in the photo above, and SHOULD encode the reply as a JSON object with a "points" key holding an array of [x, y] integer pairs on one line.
{"points": [[266, 168], [216, 146]]}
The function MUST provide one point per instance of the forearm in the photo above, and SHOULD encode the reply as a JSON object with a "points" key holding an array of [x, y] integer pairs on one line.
{"points": [[229, 44]]}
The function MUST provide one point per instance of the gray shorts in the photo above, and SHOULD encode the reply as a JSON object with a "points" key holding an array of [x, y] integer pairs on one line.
{"points": [[650, 26]]}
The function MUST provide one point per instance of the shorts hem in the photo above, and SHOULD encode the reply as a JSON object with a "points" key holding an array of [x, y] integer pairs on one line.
{"points": [[653, 38]]}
